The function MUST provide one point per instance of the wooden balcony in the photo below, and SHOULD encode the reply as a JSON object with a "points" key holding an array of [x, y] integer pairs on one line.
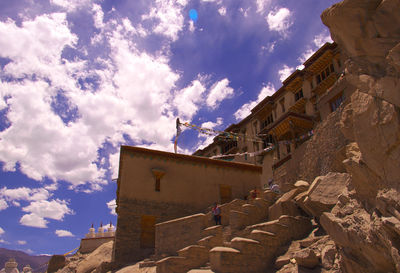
{"points": [[325, 84], [298, 105]]}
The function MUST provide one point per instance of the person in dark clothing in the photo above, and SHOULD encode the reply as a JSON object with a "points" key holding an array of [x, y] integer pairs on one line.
{"points": [[216, 211]]}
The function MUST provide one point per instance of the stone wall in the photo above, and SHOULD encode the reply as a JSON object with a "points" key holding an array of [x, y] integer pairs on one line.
{"points": [[127, 237], [90, 244], [178, 233]]}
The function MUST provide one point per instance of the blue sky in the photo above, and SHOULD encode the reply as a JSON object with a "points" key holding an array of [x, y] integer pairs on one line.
{"points": [[80, 77]]}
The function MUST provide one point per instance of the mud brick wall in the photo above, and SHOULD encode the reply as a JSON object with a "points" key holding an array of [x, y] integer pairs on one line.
{"points": [[178, 233], [127, 237]]}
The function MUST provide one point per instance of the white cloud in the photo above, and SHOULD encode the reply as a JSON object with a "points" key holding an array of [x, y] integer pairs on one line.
{"points": [[24, 193], [21, 242], [212, 125], [168, 14], [307, 54], [134, 93], [219, 92], [285, 72], [38, 210], [262, 5], [245, 110], [222, 11], [3, 242], [33, 220], [98, 16], [205, 140], [187, 101], [3, 204], [63, 233], [71, 5], [318, 41], [112, 205], [279, 20], [322, 38], [191, 26], [1, 231]]}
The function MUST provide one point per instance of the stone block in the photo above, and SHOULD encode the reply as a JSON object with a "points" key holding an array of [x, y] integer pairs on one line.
{"points": [[238, 219], [306, 258], [324, 191], [284, 206]]}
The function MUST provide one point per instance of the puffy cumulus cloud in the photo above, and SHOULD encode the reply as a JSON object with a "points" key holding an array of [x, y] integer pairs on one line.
{"points": [[98, 16], [63, 233], [21, 242], [134, 91], [33, 220], [1, 231], [206, 140], [71, 5], [112, 205], [3, 204], [219, 91], [262, 5], [318, 41], [222, 11], [168, 17], [187, 100], [14, 196], [322, 38], [245, 110], [39, 210], [24, 193], [285, 72], [280, 21]]}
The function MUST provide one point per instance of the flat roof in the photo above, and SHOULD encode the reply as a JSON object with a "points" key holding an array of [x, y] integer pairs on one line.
{"points": [[204, 160]]}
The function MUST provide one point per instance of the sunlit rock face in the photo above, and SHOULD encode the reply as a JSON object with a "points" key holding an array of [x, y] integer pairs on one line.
{"points": [[10, 267], [365, 223]]}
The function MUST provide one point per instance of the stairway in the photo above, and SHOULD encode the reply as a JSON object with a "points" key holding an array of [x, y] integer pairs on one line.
{"points": [[247, 244]]}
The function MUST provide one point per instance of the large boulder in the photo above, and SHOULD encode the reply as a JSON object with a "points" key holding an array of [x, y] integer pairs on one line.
{"points": [[56, 262], [324, 191], [102, 254], [285, 205]]}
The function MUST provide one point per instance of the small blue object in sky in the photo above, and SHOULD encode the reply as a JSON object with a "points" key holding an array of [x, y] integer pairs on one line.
{"points": [[193, 15]]}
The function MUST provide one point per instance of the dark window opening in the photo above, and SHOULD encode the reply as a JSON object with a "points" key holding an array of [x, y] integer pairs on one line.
{"points": [[336, 102], [158, 184], [298, 95]]}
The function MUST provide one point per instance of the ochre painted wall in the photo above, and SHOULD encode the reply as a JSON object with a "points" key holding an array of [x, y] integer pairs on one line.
{"points": [[189, 185]]}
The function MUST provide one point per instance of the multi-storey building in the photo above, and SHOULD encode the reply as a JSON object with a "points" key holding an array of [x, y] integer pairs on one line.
{"points": [[286, 119]]}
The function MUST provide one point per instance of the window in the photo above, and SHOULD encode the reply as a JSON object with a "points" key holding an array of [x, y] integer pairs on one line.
{"points": [[282, 102], [325, 73], [157, 184], [229, 146], [298, 95], [158, 174], [336, 102], [269, 139], [267, 121]]}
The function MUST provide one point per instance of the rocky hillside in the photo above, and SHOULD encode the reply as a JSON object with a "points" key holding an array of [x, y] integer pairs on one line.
{"points": [[38, 263], [365, 223]]}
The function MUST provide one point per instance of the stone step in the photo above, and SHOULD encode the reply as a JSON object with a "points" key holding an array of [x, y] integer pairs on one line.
{"points": [[238, 219], [210, 241], [194, 251], [213, 230], [173, 264], [247, 246], [266, 239], [201, 270]]}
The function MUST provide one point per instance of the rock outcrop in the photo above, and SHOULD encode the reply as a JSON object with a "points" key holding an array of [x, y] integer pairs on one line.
{"points": [[365, 222]]}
